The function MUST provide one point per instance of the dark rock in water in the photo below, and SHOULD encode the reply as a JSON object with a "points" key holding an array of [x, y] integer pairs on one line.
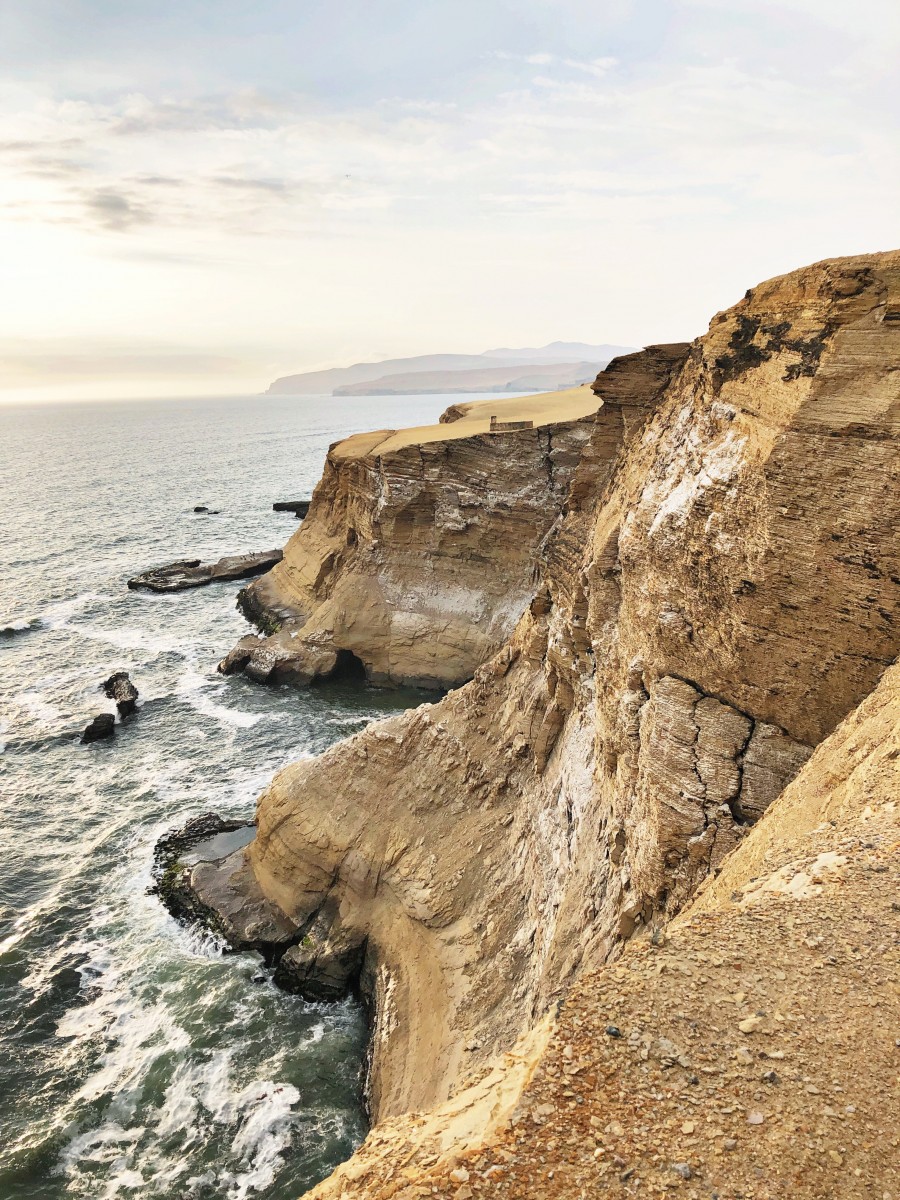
{"points": [[325, 964], [210, 512], [201, 877], [102, 726], [191, 573], [172, 876], [238, 658], [198, 829], [120, 688], [298, 507]]}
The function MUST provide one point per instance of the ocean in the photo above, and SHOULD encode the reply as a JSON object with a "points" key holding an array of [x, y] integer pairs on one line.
{"points": [[136, 1058]]}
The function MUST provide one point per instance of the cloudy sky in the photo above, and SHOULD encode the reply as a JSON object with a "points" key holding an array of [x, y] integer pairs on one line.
{"points": [[199, 195]]}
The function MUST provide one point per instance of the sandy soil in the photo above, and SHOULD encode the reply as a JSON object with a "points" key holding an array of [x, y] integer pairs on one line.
{"points": [[543, 408]]}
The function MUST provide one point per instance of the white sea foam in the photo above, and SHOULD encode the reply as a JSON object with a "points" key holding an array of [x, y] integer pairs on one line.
{"points": [[57, 616], [193, 687], [11, 625], [41, 711], [263, 1136], [261, 1114]]}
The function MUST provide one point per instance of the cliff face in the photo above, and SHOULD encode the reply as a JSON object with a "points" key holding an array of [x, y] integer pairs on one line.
{"points": [[755, 1053], [718, 592], [417, 555]]}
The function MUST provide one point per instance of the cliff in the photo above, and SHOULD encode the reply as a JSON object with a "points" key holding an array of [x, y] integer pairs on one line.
{"points": [[719, 590], [417, 556], [747, 1050]]}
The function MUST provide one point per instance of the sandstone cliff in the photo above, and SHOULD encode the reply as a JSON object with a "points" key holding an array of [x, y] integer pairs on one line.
{"points": [[417, 556], [746, 1051], [719, 590]]}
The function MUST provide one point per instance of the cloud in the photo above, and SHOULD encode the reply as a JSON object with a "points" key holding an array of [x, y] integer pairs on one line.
{"points": [[690, 137], [114, 210]]}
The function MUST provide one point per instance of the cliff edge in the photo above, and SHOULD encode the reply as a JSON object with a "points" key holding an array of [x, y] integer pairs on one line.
{"points": [[417, 556], [717, 593]]}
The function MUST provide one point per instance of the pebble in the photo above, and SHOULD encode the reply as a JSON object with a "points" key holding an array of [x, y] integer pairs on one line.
{"points": [[683, 1170], [755, 1118]]}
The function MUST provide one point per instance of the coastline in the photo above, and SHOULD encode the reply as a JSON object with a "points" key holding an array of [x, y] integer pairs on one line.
{"points": [[663, 687]]}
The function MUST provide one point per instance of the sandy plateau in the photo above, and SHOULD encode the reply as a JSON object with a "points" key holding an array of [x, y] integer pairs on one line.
{"points": [[625, 903]]}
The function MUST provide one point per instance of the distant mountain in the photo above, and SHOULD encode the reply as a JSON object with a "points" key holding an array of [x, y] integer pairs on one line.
{"points": [[509, 378], [318, 383]]}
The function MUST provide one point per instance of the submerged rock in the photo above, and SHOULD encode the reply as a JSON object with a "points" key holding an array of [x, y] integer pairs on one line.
{"points": [[191, 573], [120, 688], [102, 726]]}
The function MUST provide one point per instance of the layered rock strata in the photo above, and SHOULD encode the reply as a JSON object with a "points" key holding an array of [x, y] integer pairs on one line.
{"points": [[417, 555], [718, 592], [746, 1050]]}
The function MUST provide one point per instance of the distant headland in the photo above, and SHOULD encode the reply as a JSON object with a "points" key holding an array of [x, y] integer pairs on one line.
{"points": [[546, 368]]}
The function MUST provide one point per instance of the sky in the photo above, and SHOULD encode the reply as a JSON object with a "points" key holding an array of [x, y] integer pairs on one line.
{"points": [[199, 196]]}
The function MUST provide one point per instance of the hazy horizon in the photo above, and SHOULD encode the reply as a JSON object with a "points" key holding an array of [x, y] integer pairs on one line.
{"points": [[201, 197]]}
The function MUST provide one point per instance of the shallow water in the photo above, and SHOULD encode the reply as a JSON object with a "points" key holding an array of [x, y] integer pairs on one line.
{"points": [[135, 1058]]}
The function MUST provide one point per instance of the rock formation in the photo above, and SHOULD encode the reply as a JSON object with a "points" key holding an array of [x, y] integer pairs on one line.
{"points": [[191, 573], [417, 556], [746, 1050], [298, 507], [719, 590], [120, 688], [98, 728]]}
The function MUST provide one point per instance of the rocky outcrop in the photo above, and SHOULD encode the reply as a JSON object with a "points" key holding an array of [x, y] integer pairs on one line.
{"points": [[99, 728], [719, 590], [298, 507], [191, 573], [120, 688], [418, 553]]}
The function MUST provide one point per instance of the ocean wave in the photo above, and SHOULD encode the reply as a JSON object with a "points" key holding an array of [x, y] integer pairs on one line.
{"points": [[58, 615], [11, 627], [192, 687]]}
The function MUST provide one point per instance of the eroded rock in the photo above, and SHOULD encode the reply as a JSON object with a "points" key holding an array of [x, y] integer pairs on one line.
{"points": [[101, 727], [120, 688], [716, 593], [418, 552], [191, 573]]}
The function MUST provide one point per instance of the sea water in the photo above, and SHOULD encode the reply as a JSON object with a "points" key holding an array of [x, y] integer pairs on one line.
{"points": [[136, 1058]]}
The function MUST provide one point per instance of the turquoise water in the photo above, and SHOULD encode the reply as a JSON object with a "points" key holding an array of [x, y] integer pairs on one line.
{"points": [[136, 1059]]}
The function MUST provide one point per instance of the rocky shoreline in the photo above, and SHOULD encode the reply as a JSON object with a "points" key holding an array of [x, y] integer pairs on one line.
{"points": [[713, 591]]}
